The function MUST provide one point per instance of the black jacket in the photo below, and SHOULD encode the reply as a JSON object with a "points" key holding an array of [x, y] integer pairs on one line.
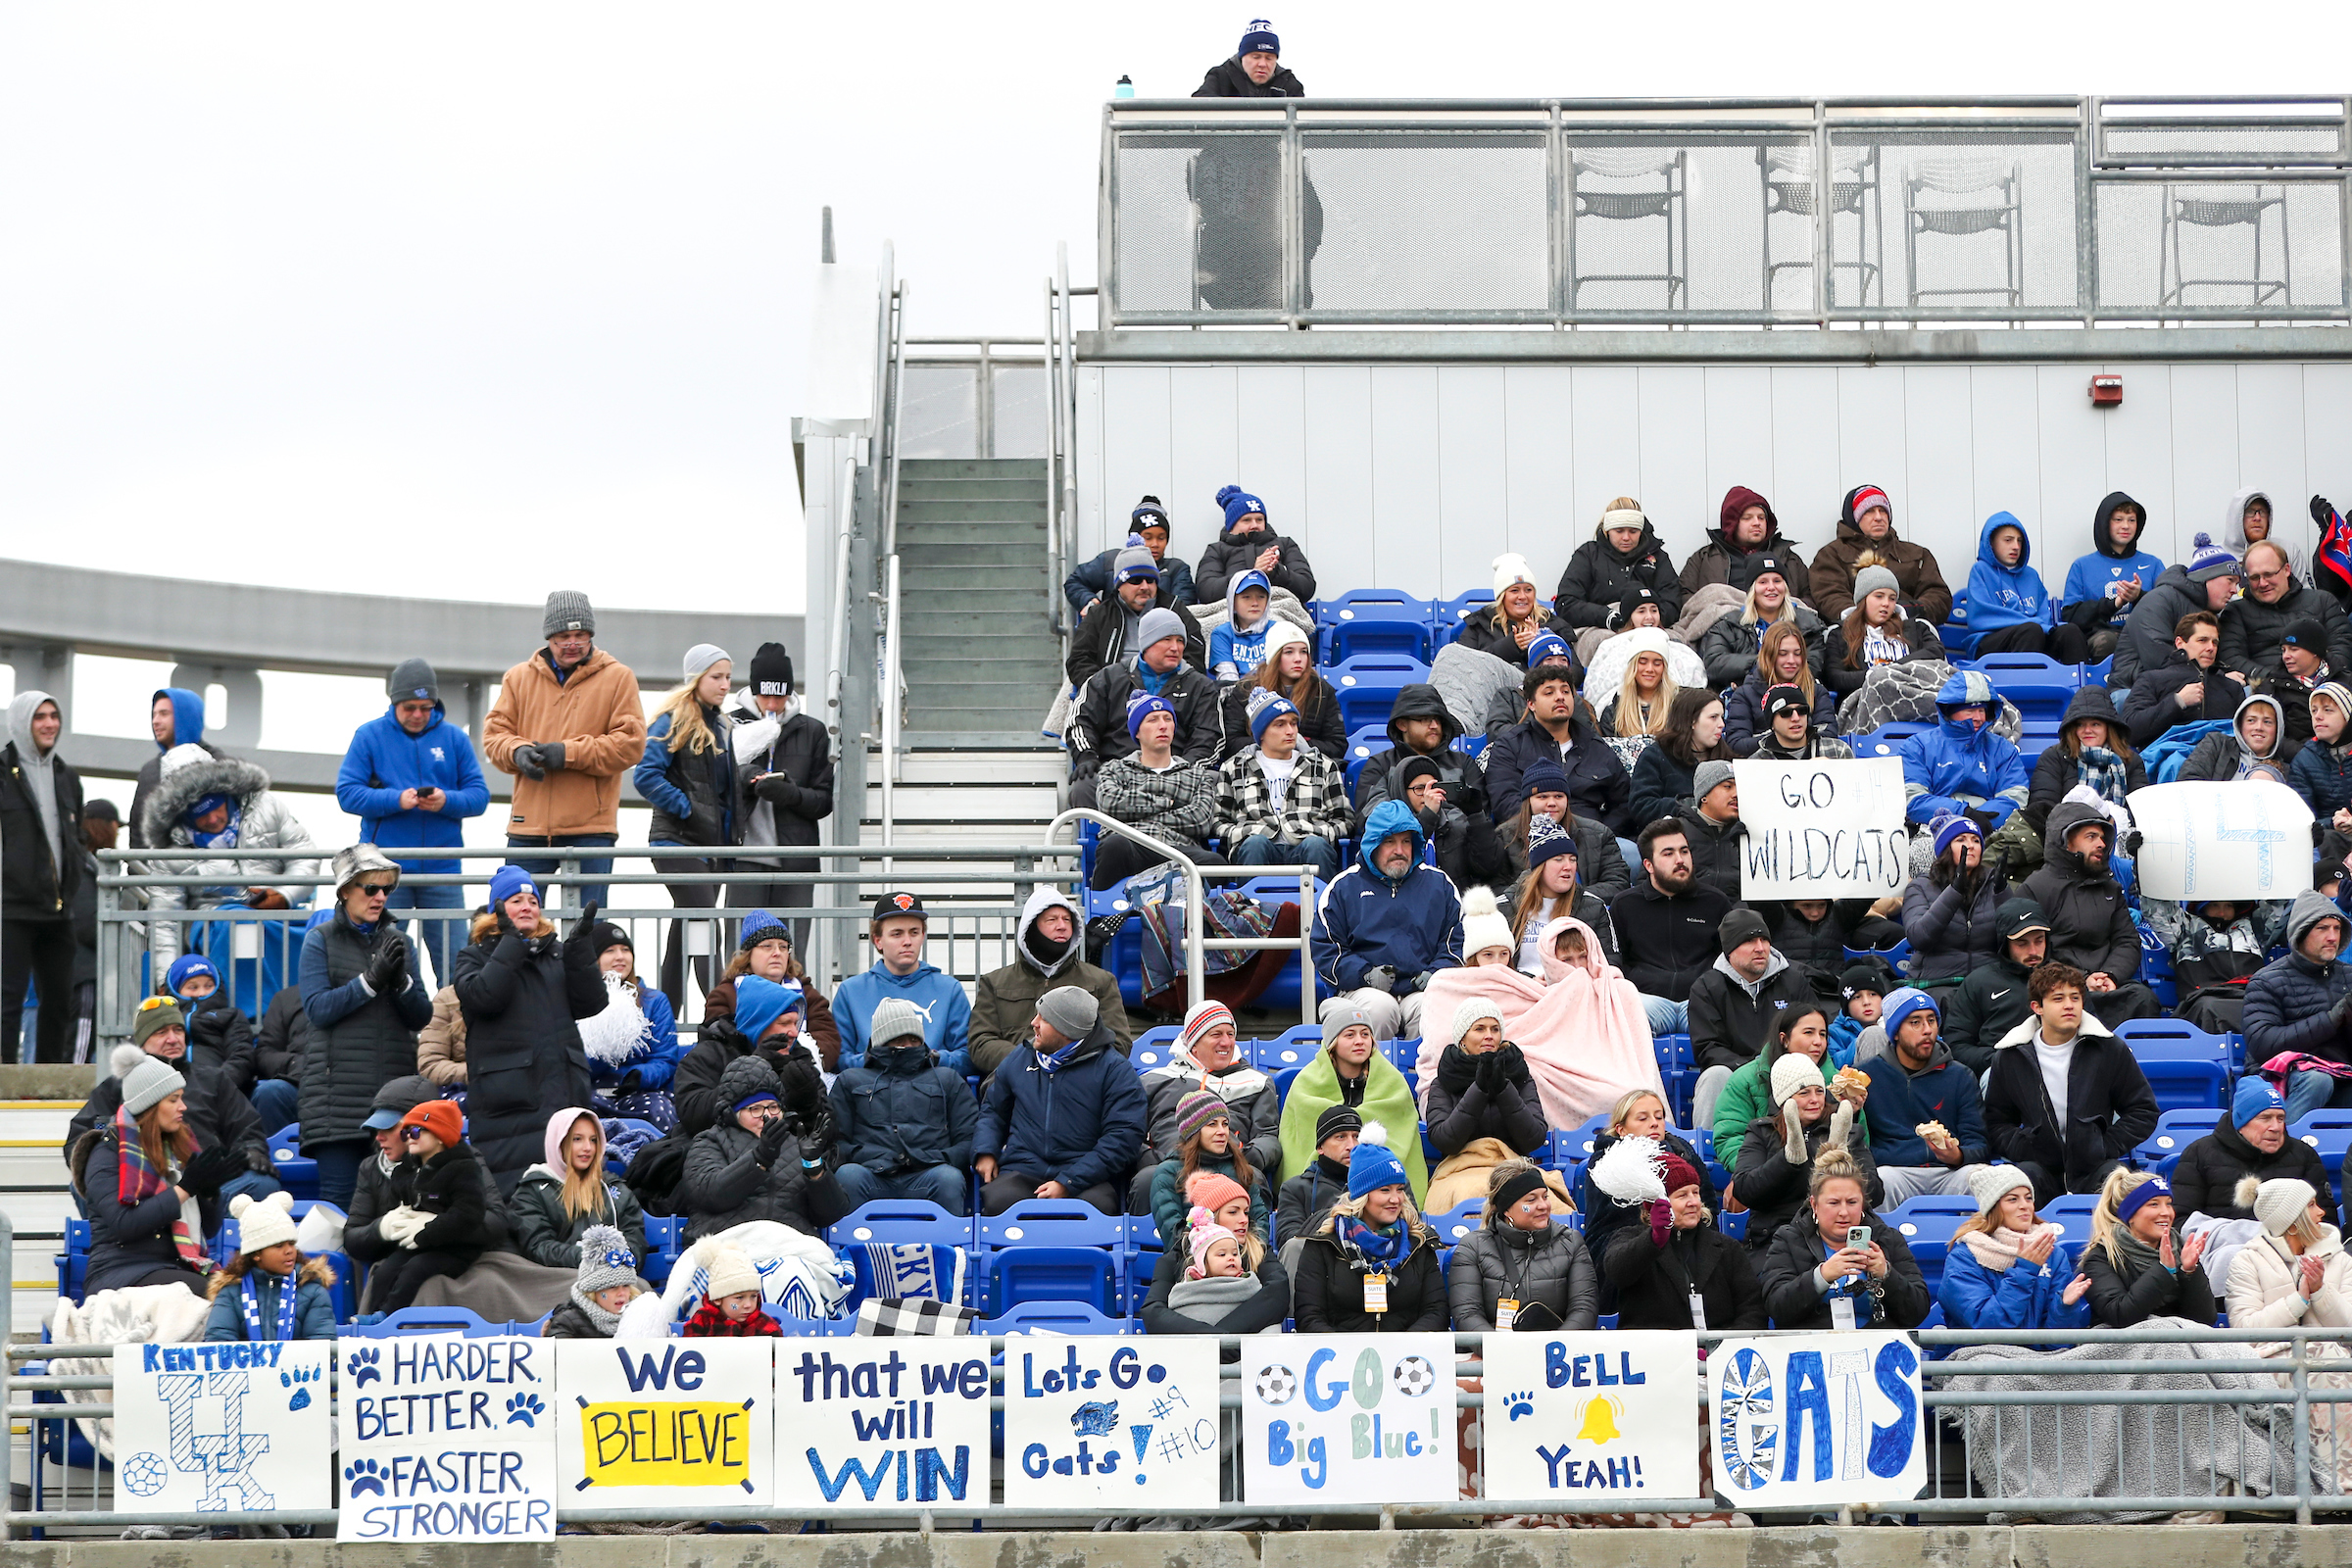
{"points": [[455, 1187], [348, 1058], [1319, 721], [1603, 1214], [1597, 579], [1550, 1268], [1717, 851], [2110, 1108], [524, 1057], [694, 1087], [1382, 779], [1986, 1005], [1461, 1107], [2154, 705], [2120, 1302], [1469, 851], [2055, 772], [1774, 1191], [1305, 1199], [284, 1035], [127, 1242], [1668, 942], [1098, 731], [2090, 923], [1327, 1297], [711, 785], [219, 1115], [724, 1185], [1787, 1275], [34, 887], [1950, 928], [1728, 1027], [1101, 637], [1917, 636], [1653, 1283], [1227, 80], [1818, 944], [787, 787], [1480, 631], [1598, 785], [901, 1111], [1229, 555], [2206, 1181], [2251, 629], [2147, 640]]}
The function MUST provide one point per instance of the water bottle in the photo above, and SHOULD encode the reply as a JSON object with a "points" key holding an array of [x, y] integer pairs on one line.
{"points": [[1125, 88]]}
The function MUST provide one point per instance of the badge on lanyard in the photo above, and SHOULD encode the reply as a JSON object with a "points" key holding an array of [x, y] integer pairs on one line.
{"points": [[1699, 1309], [1841, 1311], [1506, 1312], [1376, 1293]]}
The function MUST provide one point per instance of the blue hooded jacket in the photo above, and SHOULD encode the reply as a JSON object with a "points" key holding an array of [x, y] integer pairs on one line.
{"points": [[1957, 769], [187, 716], [383, 760], [939, 997], [1365, 920], [1999, 596], [2090, 576]]}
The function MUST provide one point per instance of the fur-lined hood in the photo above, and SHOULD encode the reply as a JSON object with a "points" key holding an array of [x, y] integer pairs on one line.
{"points": [[183, 785], [314, 1271]]}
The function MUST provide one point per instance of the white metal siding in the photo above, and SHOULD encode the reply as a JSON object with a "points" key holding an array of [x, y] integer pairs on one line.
{"points": [[1416, 476]]}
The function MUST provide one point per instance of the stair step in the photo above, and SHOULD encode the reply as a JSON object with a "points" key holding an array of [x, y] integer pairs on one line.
{"points": [[962, 802], [918, 734], [964, 581], [913, 509], [971, 468], [961, 553], [1030, 763], [1033, 487]]}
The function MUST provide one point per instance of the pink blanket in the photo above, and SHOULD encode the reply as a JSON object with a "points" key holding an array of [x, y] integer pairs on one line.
{"points": [[1583, 1033]]}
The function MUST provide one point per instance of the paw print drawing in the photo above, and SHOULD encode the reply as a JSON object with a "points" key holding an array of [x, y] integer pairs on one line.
{"points": [[525, 1408], [362, 1476], [366, 1364], [1519, 1404], [297, 1380]]}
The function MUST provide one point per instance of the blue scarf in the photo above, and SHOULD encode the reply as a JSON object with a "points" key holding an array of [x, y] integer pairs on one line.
{"points": [[250, 1306], [1053, 1062], [1382, 1247]]}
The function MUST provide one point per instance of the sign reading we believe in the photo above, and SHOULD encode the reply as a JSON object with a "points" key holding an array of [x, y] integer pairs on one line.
{"points": [[645, 1423]]}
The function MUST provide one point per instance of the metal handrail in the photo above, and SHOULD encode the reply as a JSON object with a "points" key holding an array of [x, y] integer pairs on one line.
{"points": [[892, 655], [837, 660]]}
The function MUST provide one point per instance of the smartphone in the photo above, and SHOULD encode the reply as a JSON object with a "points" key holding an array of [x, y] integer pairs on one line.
{"points": [[1857, 1237]]}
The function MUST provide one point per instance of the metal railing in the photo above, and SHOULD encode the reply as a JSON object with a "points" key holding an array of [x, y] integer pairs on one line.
{"points": [[1197, 944], [894, 704], [978, 404], [1753, 212], [66, 1493]]}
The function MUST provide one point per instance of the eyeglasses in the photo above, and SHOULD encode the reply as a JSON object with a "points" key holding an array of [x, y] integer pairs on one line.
{"points": [[376, 890], [410, 1134]]}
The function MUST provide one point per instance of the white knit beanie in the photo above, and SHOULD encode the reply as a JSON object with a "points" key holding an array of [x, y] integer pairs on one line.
{"points": [[2281, 1201], [1483, 924], [1790, 1075], [1990, 1183], [263, 1222], [1470, 1011], [728, 1272], [1509, 569]]}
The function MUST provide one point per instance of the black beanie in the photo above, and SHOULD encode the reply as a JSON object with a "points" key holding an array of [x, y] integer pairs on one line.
{"points": [[772, 671]]}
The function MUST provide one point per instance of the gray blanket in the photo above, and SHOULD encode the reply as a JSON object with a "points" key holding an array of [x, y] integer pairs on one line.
{"points": [[1211, 1299], [2131, 1451], [1906, 693], [501, 1288], [1480, 691]]}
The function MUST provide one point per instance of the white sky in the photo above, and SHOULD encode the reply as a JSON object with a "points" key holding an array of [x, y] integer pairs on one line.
{"points": [[463, 299]]}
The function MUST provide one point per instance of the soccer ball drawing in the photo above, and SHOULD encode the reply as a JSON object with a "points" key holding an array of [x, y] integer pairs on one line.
{"points": [[1414, 1376], [1276, 1385], [144, 1473]]}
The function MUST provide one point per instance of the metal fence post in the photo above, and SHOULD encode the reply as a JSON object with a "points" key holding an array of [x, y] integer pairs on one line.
{"points": [[2302, 1429], [1293, 218], [1823, 260], [8, 1265]]}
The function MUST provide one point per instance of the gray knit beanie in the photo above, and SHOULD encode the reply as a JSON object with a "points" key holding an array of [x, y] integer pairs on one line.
{"points": [[895, 1018], [149, 1084], [1157, 623], [567, 609], [1709, 774], [700, 657], [1070, 1010], [1870, 579], [605, 1261], [413, 680]]}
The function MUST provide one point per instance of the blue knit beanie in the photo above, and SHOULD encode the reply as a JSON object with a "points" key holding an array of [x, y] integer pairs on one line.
{"points": [[1547, 645], [1259, 38], [1949, 827], [1265, 712], [760, 1003], [2253, 1098], [1239, 503], [1374, 1164], [1902, 1005], [759, 926], [187, 966], [1142, 704], [509, 880]]}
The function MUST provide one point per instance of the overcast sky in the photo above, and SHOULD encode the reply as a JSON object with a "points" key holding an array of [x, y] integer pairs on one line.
{"points": [[468, 299]]}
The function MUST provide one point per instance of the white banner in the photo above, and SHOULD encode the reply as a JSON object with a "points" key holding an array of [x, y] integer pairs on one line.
{"points": [[1832, 829], [1598, 1418], [2243, 839], [1106, 1423], [653, 1423], [231, 1427], [883, 1423], [1348, 1418], [1807, 1420], [448, 1439]]}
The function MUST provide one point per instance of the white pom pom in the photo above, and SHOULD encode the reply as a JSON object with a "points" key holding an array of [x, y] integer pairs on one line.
{"points": [[1479, 901], [122, 1058], [1628, 1171], [1373, 1133], [239, 1205]]}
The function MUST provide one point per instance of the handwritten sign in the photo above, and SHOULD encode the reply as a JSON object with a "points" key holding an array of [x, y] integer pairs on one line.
{"points": [[883, 1424], [1805, 1420], [222, 1428], [448, 1439], [1593, 1418], [647, 1423], [1830, 829], [1105, 1423], [2240, 839], [1349, 1418]]}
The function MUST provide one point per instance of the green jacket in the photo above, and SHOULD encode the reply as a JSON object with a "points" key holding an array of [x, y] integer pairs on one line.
{"points": [[1748, 1095], [1387, 1100]]}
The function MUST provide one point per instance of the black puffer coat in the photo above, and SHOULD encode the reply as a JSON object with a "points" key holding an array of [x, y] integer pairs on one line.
{"points": [[524, 1057], [2211, 1169], [454, 1189], [724, 1183], [1230, 554], [1952, 929], [1603, 1214], [1786, 1267], [2090, 923], [1549, 1266], [1598, 577], [1328, 1294], [1774, 1188], [1461, 1108], [349, 1057]]}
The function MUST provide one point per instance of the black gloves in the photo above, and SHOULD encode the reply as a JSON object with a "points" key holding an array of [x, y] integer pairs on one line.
{"points": [[550, 757], [526, 761], [803, 1085], [1470, 797], [1490, 1073], [772, 1143], [580, 948], [816, 1134], [388, 969], [207, 1168], [2322, 512], [2341, 1014]]}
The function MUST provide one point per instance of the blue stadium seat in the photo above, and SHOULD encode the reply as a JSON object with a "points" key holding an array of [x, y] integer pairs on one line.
{"points": [[889, 1220], [2189, 1068], [1363, 742], [1154, 1048], [1457, 1222], [1293, 1048], [1054, 1317], [1282, 1083], [1446, 616], [2175, 1131], [664, 1243], [2071, 1203], [74, 1261], [1928, 1235], [2321, 1121], [2039, 686], [1050, 1222], [294, 1173], [2331, 1144], [1052, 1274], [1884, 741], [1368, 683], [425, 1320], [1375, 620]]}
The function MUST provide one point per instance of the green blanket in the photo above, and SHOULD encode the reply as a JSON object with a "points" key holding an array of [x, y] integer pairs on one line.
{"points": [[1388, 1101]]}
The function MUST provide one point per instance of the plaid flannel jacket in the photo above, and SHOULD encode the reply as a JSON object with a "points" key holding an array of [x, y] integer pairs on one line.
{"points": [[1182, 801], [1315, 807]]}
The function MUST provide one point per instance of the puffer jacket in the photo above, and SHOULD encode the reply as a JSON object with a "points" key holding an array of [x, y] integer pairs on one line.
{"points": [[126, 1240], [2090, 921], [1098, 734], [357, 1041], [1382, 778], [2213, 1171], [2265, 1290], [2251, 629], [2153, 704], [2056, 771], [2120, 1301], [220, 1035], [1744, 726], [1722, 559], [1264, 1311], [1956, 768], [1231, 553], [2147, 640], [1917, 578], [1786, 1271], [2323, 775], [898, 1111], [1480, 631], [550, 1238], [456, 1189], [2286, 1009], [1080, 1124], [263, 822], [1328, 1294], [1729, 646], [1365, 920], [783, 766], [594, 712], [1089, 580], [724, 1184], [1005, 1001], [314, 1307], [1169, 1207], [1599, 786], [1100, 639], [1459, 1109], [694, 796], [523, 1057], [1551, 1266], [1597, 579], [2021, 1295], [441, 1043], [1653, 1283], [2087, 600], [1774, 1187]]}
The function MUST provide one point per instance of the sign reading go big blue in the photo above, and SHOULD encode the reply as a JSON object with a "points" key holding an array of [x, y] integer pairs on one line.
{"points": [[1807, 1419]]}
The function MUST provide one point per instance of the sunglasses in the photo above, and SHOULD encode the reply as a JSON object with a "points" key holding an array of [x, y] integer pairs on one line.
{"points": [[412, 1134], [376, 890]]}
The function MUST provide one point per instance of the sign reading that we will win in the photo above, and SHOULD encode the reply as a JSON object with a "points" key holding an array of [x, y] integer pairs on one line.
{"points": [[882, 1423]]}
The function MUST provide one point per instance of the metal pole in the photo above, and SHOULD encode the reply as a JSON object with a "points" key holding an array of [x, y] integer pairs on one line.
{"points": [[844, 505], [1822, 285], [1068, 406], [1306, 942], [2086, 217], [7, 1267], [890, 715], [1054, 439]]}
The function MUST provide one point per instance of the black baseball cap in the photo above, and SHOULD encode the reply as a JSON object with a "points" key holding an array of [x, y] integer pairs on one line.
{"points": [[896, 904], [2018, 917], [1785, 700]]}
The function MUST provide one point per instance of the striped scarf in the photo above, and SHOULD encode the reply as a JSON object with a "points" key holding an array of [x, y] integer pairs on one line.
{"points": [[138, 1180]]}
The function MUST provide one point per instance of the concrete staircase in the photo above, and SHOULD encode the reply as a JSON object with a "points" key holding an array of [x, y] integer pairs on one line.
{"points": [[981, 661]]}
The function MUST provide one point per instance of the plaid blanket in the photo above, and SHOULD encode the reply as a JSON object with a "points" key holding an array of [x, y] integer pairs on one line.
{"points": [[1315, 806], [1906, 694], [913, 1318], [1162, 903]]}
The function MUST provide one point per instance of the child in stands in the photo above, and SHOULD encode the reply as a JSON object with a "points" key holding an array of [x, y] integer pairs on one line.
{"points": [[267, 1292], [607, 1282], [731, 1306]]}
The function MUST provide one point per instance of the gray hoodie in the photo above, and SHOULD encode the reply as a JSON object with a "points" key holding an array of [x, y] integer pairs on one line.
{"points": [[40, 767]]}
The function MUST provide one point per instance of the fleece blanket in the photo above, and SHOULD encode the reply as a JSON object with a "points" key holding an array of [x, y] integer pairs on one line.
{"points": [[143, 1314], [799, 1275], [1581, 1028], [1605, 672], [1480, 690], [1388, 1099], [1468, 1173]]}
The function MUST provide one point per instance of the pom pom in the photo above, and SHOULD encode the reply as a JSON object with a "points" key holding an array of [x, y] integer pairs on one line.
{"points": [[122, 1058], [2248, 1188], [612, 1036], [1479, 901], [598, 1240], [1629, 1171], [1373, 1133], [1199, 1216], [2203, 541], [239, 1205]]}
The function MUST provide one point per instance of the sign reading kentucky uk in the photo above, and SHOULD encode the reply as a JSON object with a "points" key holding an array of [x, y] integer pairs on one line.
{"points": [[1805, 1420]]}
